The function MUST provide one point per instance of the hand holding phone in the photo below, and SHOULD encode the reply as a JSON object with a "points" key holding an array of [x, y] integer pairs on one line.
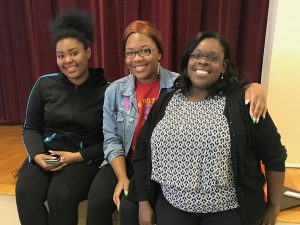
{"points": [[53, 161]]}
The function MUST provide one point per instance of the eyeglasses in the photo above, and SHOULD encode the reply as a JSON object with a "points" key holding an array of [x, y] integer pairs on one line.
{"points": [[142, 53], [209, 58]]}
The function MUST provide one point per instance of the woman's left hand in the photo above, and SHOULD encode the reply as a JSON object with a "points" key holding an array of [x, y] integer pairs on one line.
{"points": [[255, 95], [68, 157], [122, 186], [269, 217]]}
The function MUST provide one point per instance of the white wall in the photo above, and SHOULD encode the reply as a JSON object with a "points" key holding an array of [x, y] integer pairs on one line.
{"points": [[281, 73]]}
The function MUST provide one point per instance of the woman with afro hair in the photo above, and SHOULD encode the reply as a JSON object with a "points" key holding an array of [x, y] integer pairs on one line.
{"points": [[62, 133]]}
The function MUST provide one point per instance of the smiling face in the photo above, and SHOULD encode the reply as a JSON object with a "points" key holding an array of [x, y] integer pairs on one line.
{"points": [[143, 67], [203, 73], [72, 59]]}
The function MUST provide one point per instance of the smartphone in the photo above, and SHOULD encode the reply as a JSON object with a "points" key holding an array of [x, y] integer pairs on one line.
{"points": [[53, 161]]}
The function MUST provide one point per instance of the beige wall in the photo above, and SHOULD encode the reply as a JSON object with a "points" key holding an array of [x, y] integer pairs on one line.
{"points": [[281, 73]]}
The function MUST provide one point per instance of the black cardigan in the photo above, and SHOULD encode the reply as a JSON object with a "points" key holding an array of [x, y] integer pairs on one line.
{"points": [[250, 143]]}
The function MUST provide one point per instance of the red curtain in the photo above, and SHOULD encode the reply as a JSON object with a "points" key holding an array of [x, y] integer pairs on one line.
{"points": [[26, 50]]}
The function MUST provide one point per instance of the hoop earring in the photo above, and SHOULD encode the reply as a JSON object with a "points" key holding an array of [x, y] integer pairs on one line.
{"points": [[158, 68]]}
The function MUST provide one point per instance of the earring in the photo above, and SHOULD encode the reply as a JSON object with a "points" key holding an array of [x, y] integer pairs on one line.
{"points": [[222, 76], [130, 73], [158, 68]]}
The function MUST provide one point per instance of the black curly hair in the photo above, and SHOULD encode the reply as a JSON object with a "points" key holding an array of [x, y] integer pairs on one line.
{"points": [[230, 76], [73, 23]]}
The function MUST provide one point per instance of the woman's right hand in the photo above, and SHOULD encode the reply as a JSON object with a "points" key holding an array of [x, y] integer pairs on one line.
{"points": [[146, 214], [122, 186], [40, 160]]}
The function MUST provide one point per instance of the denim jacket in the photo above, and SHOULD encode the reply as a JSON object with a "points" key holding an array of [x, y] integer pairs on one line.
{"points": [[120, 113]]}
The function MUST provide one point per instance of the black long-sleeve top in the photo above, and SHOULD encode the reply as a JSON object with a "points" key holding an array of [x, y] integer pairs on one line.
{"points": [[63, 116], [250, 144]]}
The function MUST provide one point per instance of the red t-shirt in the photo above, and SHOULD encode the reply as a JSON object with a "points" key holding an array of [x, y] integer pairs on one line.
{"points": [[146, 95]]}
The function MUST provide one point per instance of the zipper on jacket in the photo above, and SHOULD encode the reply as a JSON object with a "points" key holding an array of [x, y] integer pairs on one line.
{"points": [[74, 105]]}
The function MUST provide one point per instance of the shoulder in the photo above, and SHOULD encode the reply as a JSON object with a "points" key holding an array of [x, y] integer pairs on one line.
{"points": [[49, 76], [46, 79], [123, 80], [236, 94], [42, 84], [167, 78], [121, 85], [235, 105], [171, 74]]}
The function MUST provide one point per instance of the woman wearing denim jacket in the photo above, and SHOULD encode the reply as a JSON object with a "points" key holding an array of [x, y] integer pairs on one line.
{"points": [[126, 107]]}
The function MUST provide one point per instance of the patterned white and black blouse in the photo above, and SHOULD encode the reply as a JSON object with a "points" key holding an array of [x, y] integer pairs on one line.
{"points": [[191, 157]]}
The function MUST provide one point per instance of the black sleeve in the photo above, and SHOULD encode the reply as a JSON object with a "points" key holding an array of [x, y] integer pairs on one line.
{"points": [[266, 140], [34, 122], [268, 145], [94, 152]]}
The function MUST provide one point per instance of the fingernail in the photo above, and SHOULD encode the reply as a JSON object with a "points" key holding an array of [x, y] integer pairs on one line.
{"points": [[247, 101], [118, 207], [126, 193], [264, 116], [257, 120], [253, 120]]}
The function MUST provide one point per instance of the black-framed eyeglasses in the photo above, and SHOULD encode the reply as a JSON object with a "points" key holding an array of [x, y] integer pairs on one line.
{"points": [[209, 58], [143, 52]]}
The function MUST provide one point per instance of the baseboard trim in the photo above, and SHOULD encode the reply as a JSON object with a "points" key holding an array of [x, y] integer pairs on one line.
{"points": [[292, 165]]}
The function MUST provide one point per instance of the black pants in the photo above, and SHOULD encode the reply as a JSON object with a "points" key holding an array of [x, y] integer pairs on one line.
{"points": [[129, 212], [63, 190], [100, 197], [167, 214]]}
